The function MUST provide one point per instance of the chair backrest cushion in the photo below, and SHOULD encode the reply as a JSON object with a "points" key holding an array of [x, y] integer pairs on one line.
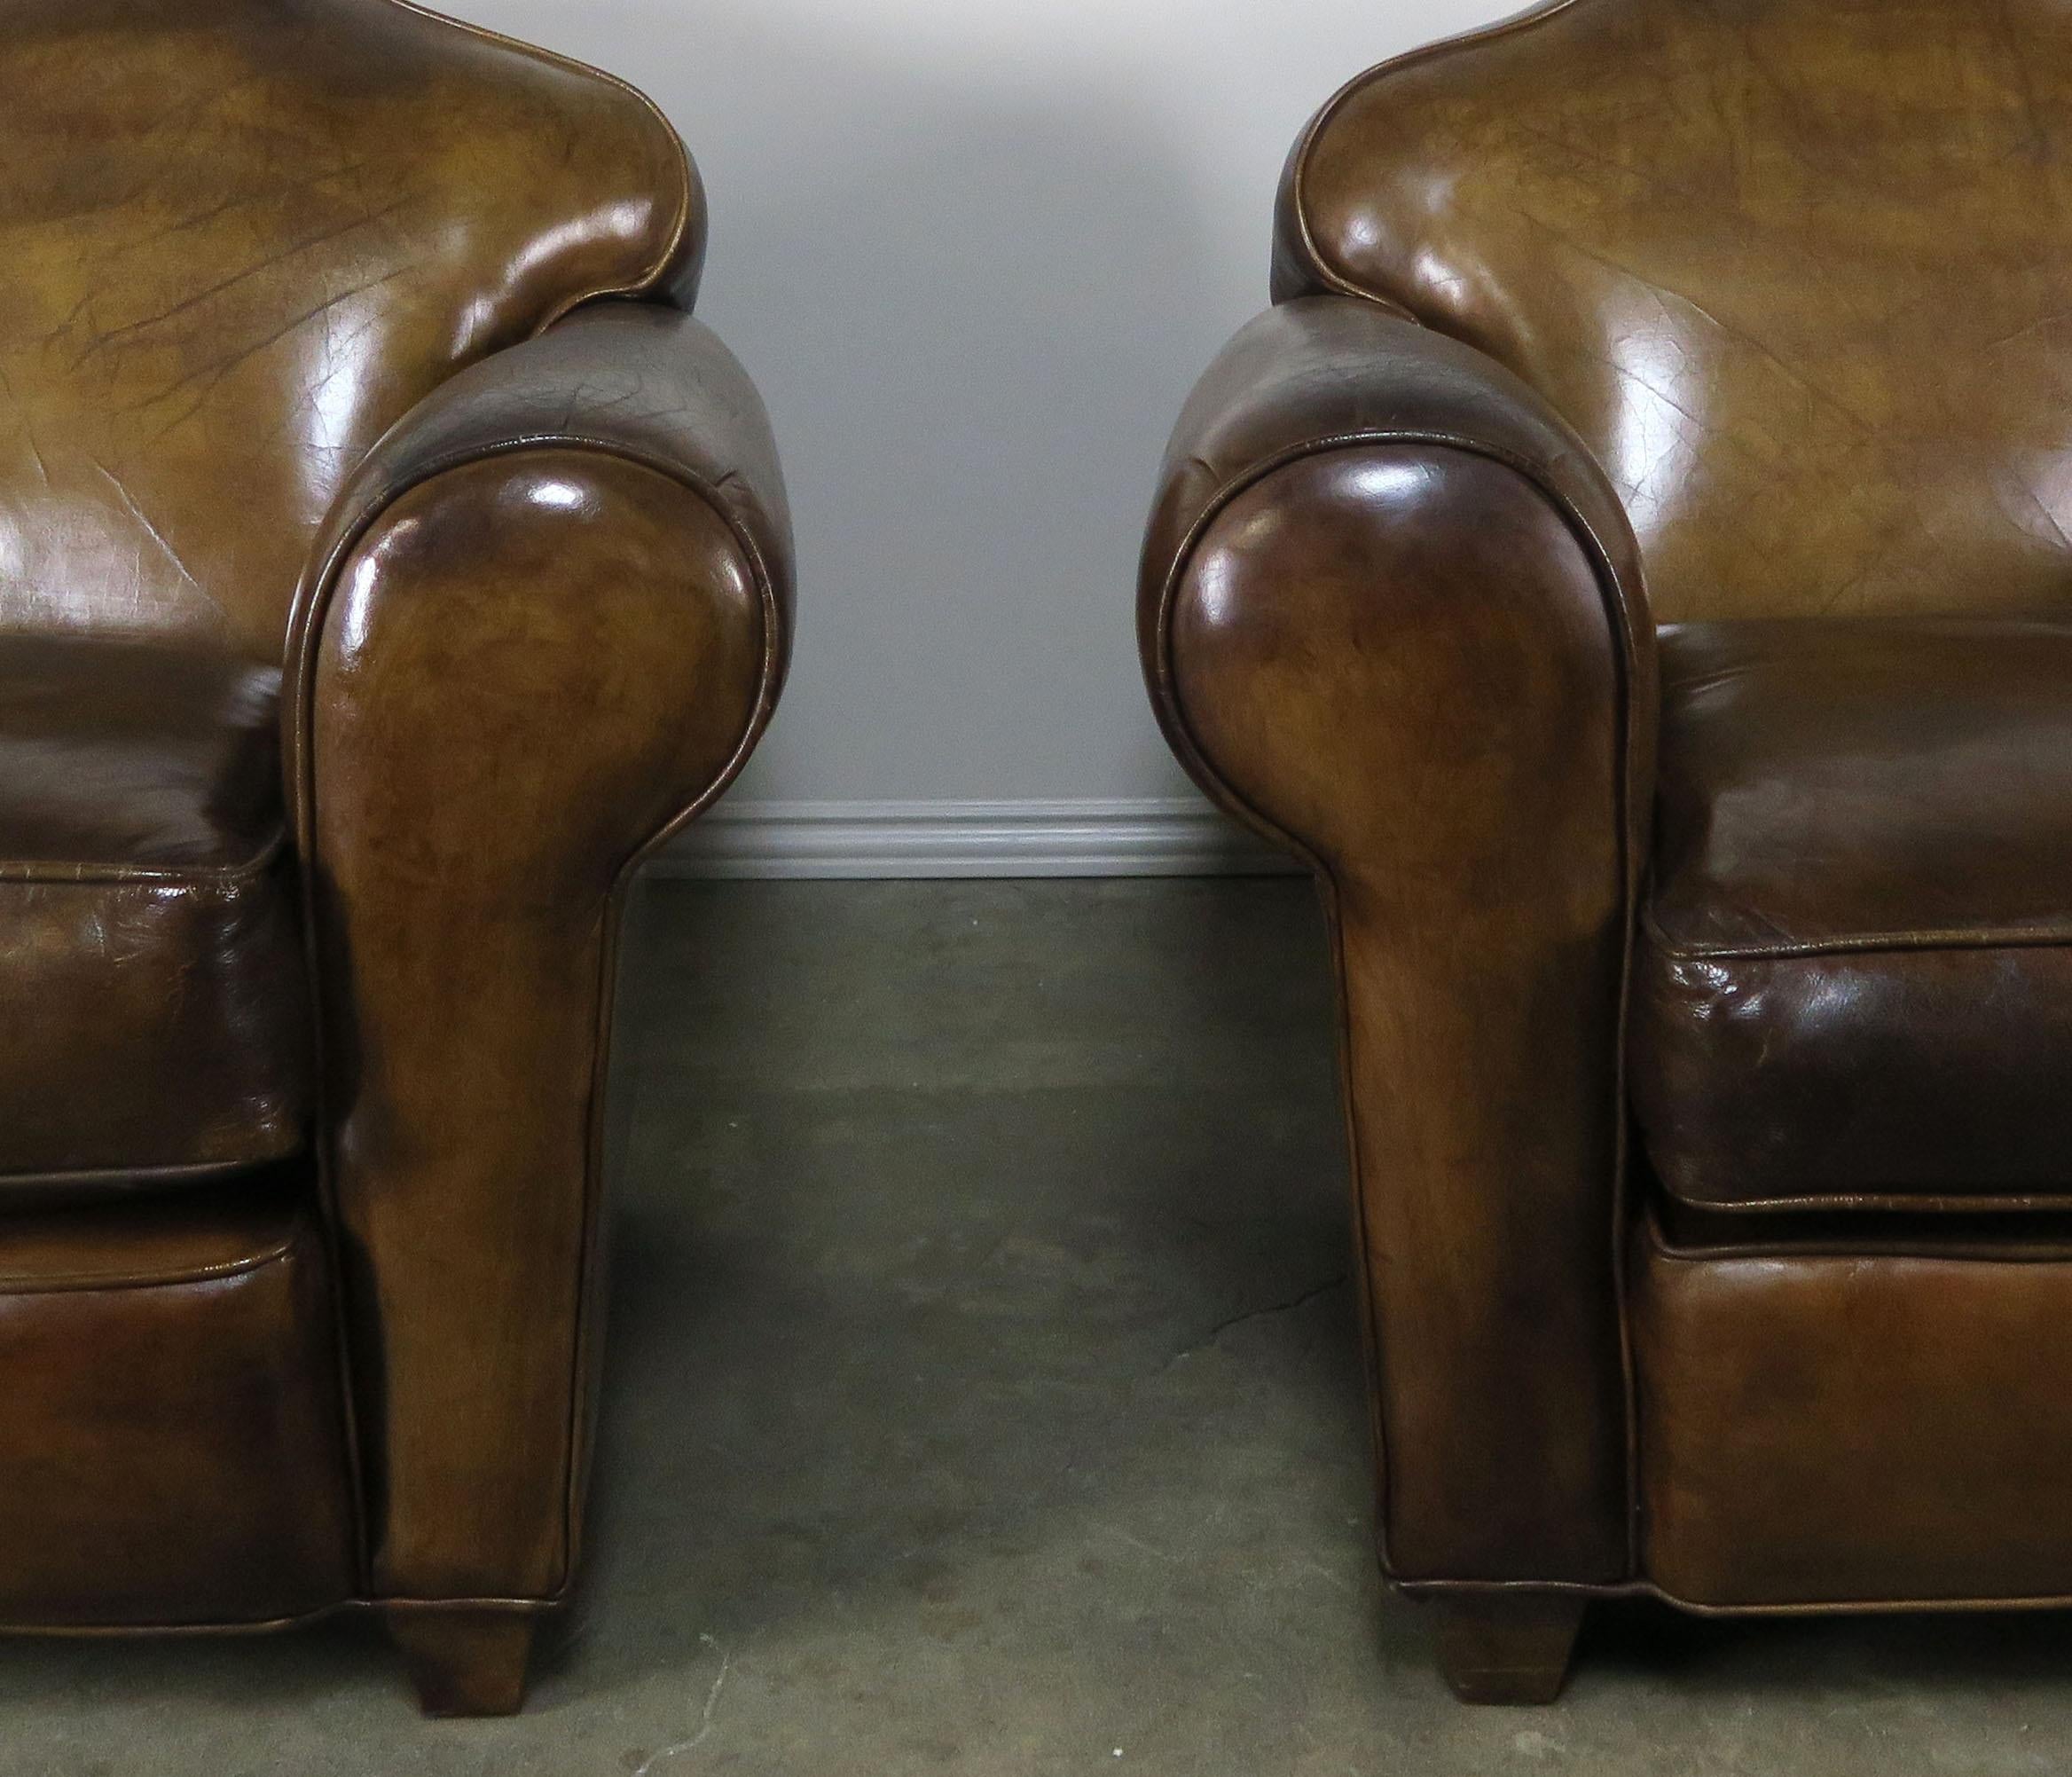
{"points": [[1801, 271], [238, 238]]}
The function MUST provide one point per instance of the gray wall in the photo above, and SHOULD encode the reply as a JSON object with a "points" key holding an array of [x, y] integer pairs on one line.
{"points": [[976, 252]]}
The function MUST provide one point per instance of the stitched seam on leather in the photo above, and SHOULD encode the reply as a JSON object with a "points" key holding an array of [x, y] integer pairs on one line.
{"points": [[1834, 1247], [98, 1282], [1923, 1203], [1929, 939], [582, 1407], [112, 1631], [1868, 1249], [270, 1625], [218, 878], [1619, 611], [1647, 1588], [1332, 278], [197, 1172]]}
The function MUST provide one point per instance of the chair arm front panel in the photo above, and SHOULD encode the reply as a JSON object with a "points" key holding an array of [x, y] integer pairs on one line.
{"points": [[644, 382], [1392, 618], [546, 635]]}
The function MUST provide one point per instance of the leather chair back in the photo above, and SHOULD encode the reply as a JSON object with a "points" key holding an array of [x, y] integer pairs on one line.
{"points": [[1800, 271], [240, 240]]}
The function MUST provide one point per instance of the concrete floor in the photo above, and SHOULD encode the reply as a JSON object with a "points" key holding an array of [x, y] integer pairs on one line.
{"points": [[985, 1398]]}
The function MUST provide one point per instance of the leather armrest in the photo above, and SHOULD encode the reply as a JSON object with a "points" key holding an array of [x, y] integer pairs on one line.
{"points": [[637, 382], [1327, 372], [1392, 613], [546, 623]]}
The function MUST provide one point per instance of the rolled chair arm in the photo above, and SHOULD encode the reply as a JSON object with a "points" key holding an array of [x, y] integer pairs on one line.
{"points": [[546, 622], [1392, 613], [644, 383], [1330, 373]]}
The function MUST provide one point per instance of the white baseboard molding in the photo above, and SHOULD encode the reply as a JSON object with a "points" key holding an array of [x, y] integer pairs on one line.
{"points": [[1163, 836]]}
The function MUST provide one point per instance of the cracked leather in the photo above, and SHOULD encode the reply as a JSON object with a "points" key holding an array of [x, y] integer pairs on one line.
{"points": [[242, 240], [1631, 310], [1793, 271], [339, 338]]}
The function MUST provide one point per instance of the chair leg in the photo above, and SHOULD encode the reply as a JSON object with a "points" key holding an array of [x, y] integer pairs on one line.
{"points": [[464, 1660], [1507, 1648]]}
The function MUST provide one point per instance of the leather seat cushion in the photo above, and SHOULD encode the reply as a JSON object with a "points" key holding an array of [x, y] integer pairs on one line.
{"points": [[172, 1451], [1853, 980], [154, 1020]]}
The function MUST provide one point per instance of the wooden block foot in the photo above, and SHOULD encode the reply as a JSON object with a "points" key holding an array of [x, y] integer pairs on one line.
{"points": [[1507, 1648], [465, 1661]]}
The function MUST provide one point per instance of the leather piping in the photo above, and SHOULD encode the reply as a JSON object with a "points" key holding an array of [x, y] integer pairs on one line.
{"points": [[1939, 1203], [1327, 274], [581, 1405], [687, 196], [1927, 938], [91, 1283], [1910, 1607], [302, 765], [1927, 942], [203, 877], [1873, 1243], [110, 1181], [1619, 610], [275, 1626]]}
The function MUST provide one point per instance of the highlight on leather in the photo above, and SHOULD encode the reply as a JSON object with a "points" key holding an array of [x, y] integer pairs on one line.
{"points": [[1784, 265], [200, 337], [1702, 993], [391, 562]]}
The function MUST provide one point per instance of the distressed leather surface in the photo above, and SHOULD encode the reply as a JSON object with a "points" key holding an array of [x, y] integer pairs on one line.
{"points": [[1793, 270], [552, 627], [155, 1018], [339, 335], [1854, 1421], [1705, 311], [136, 757], [173, 1451], [242, 239], [1392, 616], [1855, 984]]}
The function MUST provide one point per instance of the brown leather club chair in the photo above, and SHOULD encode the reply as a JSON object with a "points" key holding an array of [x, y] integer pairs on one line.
{"points": [[1706, 991], [388, 562]]}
